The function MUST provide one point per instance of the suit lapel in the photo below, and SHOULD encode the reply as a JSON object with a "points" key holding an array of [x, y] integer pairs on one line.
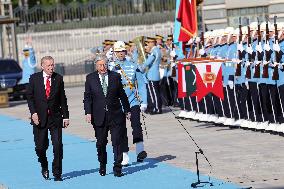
{"points": [[53, 85], [97, 79], [110, 77], [41, 84]]}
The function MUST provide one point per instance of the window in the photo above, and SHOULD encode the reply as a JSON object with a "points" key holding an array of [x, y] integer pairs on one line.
{"points": [[251, 13]]}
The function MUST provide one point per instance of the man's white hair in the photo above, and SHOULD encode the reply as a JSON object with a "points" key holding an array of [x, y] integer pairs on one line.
{"points": [[99, 57]]}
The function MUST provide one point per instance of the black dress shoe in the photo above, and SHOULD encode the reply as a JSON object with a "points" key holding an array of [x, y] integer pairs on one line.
{"points": [[118, 174], [141, 156], [45, 174], [102, 170], [58, 178]]}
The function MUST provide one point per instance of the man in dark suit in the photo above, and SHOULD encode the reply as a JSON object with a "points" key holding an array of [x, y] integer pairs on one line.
{"points": [[49, 110], [103, 97]]}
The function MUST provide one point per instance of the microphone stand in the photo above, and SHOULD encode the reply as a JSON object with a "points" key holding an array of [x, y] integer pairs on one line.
{"points": [[195, 184], [200, 151]]}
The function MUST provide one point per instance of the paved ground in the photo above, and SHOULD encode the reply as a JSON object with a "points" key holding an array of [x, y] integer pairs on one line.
{"points": [[246, 158], [80, 167]]}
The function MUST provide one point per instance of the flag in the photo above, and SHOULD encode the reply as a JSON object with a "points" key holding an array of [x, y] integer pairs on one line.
{"points": [[186, 80], [181, 91], [190, 79], [187, 16], [177, 26], [209, 79]]}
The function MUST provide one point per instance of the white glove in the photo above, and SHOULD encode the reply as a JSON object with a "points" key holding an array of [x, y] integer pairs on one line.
{"points": [[201, 51], [111, 66], [249, 49], [173, 53], [247, 84], [265, 62], [259, 48], [275, 64], [266, 47], [236, 60], [240, 47], [276, 47], [109, 54], [143, 107], [231, 84], [247, 63], [257, 62], [197, 39], [190, 41]]}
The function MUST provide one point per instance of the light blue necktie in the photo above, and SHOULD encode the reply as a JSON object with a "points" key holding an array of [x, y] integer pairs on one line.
{"points": [[104, 85]]}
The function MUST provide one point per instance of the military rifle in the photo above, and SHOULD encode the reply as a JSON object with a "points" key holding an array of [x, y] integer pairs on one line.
{"points": [[259, 54], [267, 53], [248, 71], [239, 65], [275, 75]]}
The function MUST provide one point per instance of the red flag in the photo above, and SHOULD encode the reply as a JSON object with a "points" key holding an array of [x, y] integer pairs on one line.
{"points": [[181, 92], [209, 79], [187, 15]]}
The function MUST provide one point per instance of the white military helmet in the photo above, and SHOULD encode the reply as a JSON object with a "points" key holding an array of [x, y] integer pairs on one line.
{"points": [[207, 34], [220, 32], [263, 26], [119, 46], [236, 32], [229, 31], [280, 27], [253, 26], [245, 30]]}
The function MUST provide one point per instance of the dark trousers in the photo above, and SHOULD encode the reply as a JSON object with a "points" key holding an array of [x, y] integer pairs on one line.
{"points": [[209, 106], [166, 92], [137, 132], [275, 102], [281, 96], [188, 104], [201, 106], [42, 143], [266, 103], [154, 97], [254, 91], [218, 106], [174, 91], [117, 131], [226, 103], [229, 103], [241, 96]]}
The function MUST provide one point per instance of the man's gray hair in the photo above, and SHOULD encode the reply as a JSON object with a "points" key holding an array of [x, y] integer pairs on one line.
{"points": [[43, 59], [101, 57]]}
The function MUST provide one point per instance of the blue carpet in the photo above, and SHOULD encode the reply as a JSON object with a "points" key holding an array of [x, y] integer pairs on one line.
{"points": [[19, 168]]}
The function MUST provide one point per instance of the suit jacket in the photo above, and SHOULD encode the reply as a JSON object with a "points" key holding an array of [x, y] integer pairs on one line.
{"points": [[56, 104], [96, 103]]}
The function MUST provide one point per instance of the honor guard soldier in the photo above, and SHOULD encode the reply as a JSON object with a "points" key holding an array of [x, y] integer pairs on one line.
{"points": [[256, 117], [159, 41], [152, 65], [110, 54], [280, 81], [133, 87], [228, 78], [29, 62]]}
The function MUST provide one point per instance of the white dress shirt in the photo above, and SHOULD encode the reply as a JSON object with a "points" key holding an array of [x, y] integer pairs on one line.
{"points": [[45, 78], [106, 79]]}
